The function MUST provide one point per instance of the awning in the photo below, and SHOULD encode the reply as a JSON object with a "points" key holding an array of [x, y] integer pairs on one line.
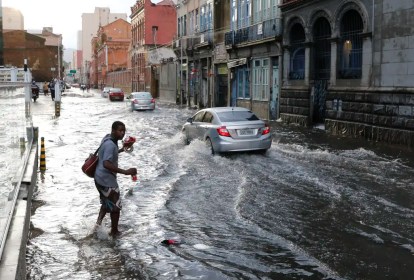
{"points": [[236, 62]]}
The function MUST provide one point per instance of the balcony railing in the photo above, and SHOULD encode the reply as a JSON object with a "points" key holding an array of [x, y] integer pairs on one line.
{"points": [[258, 32]]}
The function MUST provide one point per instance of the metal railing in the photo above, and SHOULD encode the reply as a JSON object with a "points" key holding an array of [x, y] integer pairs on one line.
{"points": [[15, 141], [260, 31]]}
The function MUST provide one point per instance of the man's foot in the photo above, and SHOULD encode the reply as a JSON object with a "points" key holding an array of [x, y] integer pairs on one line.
{"points": [[115, 234]]}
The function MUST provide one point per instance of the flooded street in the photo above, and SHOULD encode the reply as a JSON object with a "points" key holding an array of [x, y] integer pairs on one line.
{"points": [[312, 207]]}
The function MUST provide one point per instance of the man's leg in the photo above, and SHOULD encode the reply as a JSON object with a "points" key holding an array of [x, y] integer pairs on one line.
{"points": [[114, 223], [114, 197], [101, 216]]}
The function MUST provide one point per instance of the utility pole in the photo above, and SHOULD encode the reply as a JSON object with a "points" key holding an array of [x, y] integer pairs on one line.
{"points": [[59, 41]]}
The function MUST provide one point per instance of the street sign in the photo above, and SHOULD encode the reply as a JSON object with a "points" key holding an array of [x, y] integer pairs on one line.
{"points": [[72, 71]]}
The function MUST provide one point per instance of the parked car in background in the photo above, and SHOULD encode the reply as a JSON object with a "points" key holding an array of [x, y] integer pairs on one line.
{"points": [[228, 129], [142, 101], [116, 94], [105, 92]]}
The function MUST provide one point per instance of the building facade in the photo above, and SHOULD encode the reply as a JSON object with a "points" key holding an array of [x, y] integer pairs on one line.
{"points": [[255, 52], [149, 34], [42, 59], [348, 66], [110, 52], [90, 25]]}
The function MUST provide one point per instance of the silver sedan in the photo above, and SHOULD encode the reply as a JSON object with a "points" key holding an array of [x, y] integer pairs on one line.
{"points": [[228, 129], [142, 101]]}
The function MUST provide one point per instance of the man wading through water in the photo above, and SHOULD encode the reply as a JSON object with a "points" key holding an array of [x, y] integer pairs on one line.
{"points": [[105, 176]]}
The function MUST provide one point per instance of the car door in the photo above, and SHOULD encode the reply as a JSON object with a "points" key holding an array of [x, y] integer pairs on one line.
{"points": [[192, 129], [204, 127]]}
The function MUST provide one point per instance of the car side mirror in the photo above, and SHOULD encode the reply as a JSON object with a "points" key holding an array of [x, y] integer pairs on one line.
{"points": [[190, 120]]}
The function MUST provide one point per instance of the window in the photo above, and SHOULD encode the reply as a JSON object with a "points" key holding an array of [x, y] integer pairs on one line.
{"points": [[203, 19], [297, 54], [244, 13], [234, 15], [322, 49], [261, 79], [199, 116], [237, 116], [208, 117], [243, 82], [350, 46], [179, 27]]}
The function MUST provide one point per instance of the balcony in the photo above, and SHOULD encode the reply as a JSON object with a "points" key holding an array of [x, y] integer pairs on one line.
{"points": [[269, 29], [206, 39], [288, 4]]}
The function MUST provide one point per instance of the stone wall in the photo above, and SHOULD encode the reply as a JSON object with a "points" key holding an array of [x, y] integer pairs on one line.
{"points": [[295, 105], [393, 48], [378, 115]]}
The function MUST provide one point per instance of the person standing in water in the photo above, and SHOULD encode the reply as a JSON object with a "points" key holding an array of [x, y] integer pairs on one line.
{"points": [[106, 176]]}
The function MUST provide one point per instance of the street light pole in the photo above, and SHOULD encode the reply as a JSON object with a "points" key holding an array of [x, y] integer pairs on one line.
{"points": [[59, 56]]}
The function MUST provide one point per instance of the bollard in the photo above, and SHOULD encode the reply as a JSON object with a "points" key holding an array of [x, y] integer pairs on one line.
{"points": [[57, 108], [42, 155]]}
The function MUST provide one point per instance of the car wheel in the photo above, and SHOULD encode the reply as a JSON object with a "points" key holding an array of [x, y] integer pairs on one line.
{"points": [[184, 138], [210, 145], [263, 152]]}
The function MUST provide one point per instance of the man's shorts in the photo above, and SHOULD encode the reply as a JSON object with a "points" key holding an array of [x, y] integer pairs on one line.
{"points": [[110, 198]]}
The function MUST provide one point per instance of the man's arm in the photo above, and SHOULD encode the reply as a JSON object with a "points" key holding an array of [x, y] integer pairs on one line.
{"points": [[112, 167]]}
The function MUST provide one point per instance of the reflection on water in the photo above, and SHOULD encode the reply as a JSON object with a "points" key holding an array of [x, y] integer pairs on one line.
{"points": [[311, 208], [13, 143]]}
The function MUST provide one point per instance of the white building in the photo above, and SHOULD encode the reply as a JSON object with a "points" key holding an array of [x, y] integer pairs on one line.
{"points": [[12, 19], [90, 25]]}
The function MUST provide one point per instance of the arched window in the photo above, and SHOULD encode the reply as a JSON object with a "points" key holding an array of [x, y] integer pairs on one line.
{"points": [[350, 46], [322, 49], [297, 55]]}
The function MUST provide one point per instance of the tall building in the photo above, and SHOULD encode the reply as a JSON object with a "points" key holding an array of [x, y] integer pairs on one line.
{"points": [[12, 19], [90, 24], [148, 34]]}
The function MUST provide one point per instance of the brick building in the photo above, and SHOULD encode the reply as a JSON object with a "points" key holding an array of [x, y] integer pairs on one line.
{"points": [[42, 59], [110, 53], [148, 34]]}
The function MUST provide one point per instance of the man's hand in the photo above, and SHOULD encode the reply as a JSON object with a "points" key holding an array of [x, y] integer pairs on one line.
{"points": [[131, 171]]}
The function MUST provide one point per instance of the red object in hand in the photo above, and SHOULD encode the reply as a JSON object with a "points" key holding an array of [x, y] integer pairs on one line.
{"points": [[134, 178], [129, 140]]}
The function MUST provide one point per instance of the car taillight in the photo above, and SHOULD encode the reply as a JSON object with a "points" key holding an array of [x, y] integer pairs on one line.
{"points": [[153, 100], [266, 130], [222, 131], [135, 101]]}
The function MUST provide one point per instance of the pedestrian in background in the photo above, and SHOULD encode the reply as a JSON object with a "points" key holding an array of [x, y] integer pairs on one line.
{"points": [[45, 88], [106, 176], [52, 89]]}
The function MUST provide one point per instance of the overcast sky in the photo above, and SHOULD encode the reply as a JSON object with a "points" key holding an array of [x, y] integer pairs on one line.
{"points": [[65, 16]]}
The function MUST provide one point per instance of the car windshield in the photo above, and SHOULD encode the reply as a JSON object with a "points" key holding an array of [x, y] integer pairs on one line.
{"points": [[237, 116], [115, 89], [142, 95]]}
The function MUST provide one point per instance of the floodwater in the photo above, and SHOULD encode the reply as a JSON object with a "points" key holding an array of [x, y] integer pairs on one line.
{"points": [[312, 207]]}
